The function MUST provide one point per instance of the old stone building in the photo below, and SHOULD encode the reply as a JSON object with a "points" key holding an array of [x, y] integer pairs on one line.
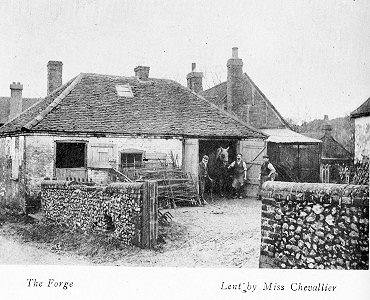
{"points": [[362, 130], [94, 123], [335, 161], [296, 156]]}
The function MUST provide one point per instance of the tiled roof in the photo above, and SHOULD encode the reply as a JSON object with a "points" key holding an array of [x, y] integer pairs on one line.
{"points": [[362, 111], [5, 107], [218, 96], [331, 149], [89, 104]]}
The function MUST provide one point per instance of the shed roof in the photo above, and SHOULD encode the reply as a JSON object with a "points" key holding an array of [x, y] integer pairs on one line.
{"points": [[288, 136], [362, 111], [89, 103]]}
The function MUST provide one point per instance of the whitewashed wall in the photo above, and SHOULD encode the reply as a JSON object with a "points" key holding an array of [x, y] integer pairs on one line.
{"points": [[40, 153], [362, 137]]}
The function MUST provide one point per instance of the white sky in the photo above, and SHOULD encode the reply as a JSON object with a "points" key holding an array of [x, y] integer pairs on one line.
{"points": [[309, 58]]}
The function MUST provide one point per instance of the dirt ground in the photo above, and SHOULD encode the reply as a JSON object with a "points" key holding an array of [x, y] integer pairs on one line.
{"points": [[225, 233]]}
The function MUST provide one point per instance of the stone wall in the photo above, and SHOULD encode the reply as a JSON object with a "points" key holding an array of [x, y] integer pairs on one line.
{"points": [[116, 208], [316, 226]]}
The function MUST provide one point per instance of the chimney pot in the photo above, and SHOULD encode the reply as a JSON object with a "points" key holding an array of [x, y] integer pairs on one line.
{"points": [[235, 52], [55, 70], [193, 67], [15, 100], [142, 72], [194, 79]]}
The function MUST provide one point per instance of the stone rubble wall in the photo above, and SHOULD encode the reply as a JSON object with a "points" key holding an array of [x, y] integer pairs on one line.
{"points": [[116, 207], [314, 225]]}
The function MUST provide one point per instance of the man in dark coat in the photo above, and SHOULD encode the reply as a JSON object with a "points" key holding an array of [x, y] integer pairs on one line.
{"points": [[203, 176]]}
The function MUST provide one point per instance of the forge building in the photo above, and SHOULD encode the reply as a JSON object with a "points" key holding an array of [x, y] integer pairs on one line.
{"points": [[95, 123]]}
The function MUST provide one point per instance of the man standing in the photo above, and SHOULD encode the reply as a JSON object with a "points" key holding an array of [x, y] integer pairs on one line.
{"points": [[268, 171], [203, 176], [239, 175]]}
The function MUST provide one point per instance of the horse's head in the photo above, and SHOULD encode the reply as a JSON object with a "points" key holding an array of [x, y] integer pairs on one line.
{"points": [[222, 154]]}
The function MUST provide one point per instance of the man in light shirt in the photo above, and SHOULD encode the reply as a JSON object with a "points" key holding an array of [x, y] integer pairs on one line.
{"points": [[268, 171], [239, 175]]}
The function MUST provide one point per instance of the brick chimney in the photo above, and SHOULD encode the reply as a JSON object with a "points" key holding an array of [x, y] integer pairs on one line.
{"points": [[142, 72], [15, 100], [326, 127], [235, 92], [194, 79], [55, 69]]}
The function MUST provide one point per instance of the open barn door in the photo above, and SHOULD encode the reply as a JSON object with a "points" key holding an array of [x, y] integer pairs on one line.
{"points": [[252, 151]]}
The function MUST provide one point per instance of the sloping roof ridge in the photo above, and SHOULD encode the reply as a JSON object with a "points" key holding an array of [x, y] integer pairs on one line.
{"points": [[339, 144], [307, 133], [215, 86], [362, 110], [218, 108], [268, 101], [70, 86], [124, 77]]}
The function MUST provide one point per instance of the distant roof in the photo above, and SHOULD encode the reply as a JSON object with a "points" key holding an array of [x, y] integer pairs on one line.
{"points": [[5, 107], [89, 103], [331, 149], [218, 95], [362, 111], [288, 136], [314, 135]]}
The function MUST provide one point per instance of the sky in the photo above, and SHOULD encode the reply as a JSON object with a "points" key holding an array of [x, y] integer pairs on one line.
{"points": [[310, 58]]}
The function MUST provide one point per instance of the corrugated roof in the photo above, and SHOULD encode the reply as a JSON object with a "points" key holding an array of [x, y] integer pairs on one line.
{"points": [[362, 111], [90, 104], [287, 136]]}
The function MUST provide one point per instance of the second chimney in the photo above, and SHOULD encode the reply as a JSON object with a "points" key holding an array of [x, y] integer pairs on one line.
{"points": [[55, 69], [194, 79], [15, 100], [326, 127], [142, 72], [234, 81]]}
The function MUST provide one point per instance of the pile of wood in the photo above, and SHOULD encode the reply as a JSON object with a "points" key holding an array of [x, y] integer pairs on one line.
{"points": [[175, 187]]}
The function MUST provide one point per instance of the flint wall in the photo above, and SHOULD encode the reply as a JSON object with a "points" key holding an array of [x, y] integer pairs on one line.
{"points": [[128, 211], [314, 225]]}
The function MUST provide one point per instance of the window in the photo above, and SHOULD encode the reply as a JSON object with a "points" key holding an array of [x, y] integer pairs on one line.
{"points": [[131, 160], [124, 91], [70, 155]]}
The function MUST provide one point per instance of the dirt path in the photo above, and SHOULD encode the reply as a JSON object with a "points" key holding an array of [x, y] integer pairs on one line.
{"points": [[13, 251], [225, 234]]}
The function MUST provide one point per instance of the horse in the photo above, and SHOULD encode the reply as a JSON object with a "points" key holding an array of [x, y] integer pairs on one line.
{"points": [[217, 166]]}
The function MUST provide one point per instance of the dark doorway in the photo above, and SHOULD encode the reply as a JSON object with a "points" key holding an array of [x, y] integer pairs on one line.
{"points": [[70, 155], [221, 176], [70, 161], [206, 147]]}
